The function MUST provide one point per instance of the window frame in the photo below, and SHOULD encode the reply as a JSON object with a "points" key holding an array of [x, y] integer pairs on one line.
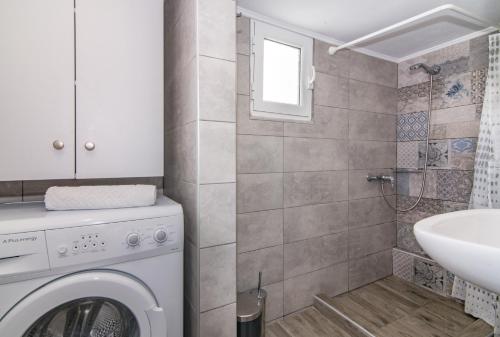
{"points": [[274, 110]]}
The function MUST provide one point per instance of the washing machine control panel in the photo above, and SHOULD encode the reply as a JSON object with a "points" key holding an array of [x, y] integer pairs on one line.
{"points": [[112, 241]]}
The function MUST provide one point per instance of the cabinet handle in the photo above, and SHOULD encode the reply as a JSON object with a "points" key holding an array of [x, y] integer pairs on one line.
{"points": [[58, 144], [89, 146]]}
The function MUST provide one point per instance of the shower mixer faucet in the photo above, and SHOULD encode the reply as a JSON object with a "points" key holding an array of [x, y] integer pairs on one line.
{"points": [[382, 179]]}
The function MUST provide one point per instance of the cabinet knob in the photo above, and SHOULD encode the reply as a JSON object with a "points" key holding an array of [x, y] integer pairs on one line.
{"points": [[58, 144], [89, 146]]}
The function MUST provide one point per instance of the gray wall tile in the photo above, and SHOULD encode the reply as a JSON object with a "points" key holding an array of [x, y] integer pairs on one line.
{"points": [[370, 211], [181, 152], [307, 154], [306, 188], [372, 239], [11, 191], [220, 322], [327, 123], [314, 220], [305, 256], [479, 53], [372, 155], [259, 154], [217, 214], [258, 192], [371, 126], [181, 96], [217, 276], [372, 97], [300, 291], [217, 89], [369, 268], [243, 74], [367, 68], [186, 194], [243, 35], [260, 230], [217, 28], [274, 301], [191, 274], [191, 320], [331, 91], [337, 65], [247, 126], [217, 152], [268, 260]]}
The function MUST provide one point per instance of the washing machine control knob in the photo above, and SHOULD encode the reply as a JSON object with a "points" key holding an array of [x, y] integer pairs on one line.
{"points": [[133, 239], [62, 249], [160, 235]]}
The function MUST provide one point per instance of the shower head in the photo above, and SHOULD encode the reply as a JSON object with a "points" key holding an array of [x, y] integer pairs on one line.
{"points": [[434, 70]]}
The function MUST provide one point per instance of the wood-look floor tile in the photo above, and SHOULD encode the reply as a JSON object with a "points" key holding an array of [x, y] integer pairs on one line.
{"points": [[368, 319], [386, 301], [345, 328], [387, 308], [411, 292], [275, 329], [444, 318], [477, 329]]}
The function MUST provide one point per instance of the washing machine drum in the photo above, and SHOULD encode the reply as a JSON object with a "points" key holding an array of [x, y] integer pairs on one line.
{"points": [[87, 304], [93, 317]]}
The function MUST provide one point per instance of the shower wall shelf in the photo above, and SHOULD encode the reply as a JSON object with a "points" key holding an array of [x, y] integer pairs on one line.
{"points": [[449, 7]]}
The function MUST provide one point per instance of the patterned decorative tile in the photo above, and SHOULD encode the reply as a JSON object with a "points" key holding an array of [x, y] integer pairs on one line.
{"points": [[406, 239], [454, 185], [426, 208], [407, 154], [437, 156], [454, 90], [463, 145], [448, 283], [478, 84], [462, 153], [429, 274], [413, 98], [430, 188], [479, 111], [402, 265], [412, 126]]}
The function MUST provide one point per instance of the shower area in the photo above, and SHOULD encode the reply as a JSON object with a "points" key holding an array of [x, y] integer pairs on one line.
{"points": [[328, 207]]}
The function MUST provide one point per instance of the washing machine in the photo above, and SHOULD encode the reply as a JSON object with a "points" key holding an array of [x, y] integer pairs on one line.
{"points": [[96, 273]]}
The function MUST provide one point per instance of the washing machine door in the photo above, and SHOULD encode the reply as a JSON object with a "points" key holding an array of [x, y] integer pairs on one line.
{"points": [[88, 304]]}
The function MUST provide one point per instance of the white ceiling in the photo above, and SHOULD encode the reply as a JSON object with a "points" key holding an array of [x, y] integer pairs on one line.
{"points": [[344, 21]]}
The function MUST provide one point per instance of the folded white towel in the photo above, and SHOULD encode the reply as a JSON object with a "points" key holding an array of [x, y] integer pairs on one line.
{"points": [[98, 197]]}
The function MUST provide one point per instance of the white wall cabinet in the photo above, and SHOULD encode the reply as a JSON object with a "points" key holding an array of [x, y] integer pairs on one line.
{"points": [[37, 99], [90, 76]]}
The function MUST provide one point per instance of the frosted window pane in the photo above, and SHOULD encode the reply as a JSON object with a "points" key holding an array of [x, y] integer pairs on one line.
{"points": [[281, 73]]}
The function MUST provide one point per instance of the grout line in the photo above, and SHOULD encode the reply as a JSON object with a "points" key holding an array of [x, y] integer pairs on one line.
{"points": [[283, 215], [217, 58], [344, 316]]}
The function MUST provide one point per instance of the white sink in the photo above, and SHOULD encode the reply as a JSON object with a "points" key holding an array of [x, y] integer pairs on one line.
{"points": [[466, 243]]}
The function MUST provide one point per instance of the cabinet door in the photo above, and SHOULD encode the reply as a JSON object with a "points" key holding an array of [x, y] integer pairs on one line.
{"points": [[119, 88], [37, 76]]}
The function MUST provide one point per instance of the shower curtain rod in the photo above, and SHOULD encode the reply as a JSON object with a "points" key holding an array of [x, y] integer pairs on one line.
{"points": [[332, 50]]}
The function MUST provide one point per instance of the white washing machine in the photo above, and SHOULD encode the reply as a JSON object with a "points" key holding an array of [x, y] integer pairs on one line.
{"points": [[99, 273]]}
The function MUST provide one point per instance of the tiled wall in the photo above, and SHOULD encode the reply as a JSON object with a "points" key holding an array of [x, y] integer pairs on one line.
{"points": [[457, 95], [306, 217], [200, 156]]}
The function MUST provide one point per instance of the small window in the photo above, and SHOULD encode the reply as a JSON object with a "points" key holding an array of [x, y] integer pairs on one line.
{"points": [[282, 73]]}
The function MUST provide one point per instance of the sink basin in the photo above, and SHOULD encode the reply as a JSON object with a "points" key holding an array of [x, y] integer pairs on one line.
{"points": [[467, 243]]}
